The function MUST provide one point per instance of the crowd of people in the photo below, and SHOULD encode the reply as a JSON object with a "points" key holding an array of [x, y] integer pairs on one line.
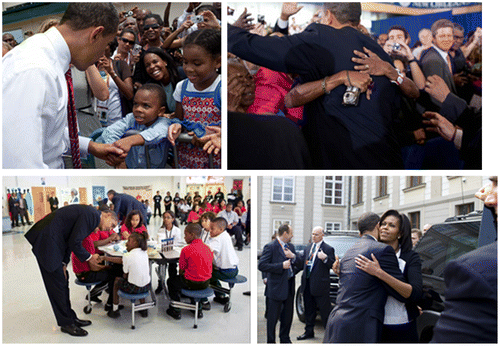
{"points": [[149, 86], [381, 288], [208, 254], [353, 100]]}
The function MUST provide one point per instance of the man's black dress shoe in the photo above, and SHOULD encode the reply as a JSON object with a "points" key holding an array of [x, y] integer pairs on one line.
{"points": [[305, 336], [74, 330], [82, 323]]}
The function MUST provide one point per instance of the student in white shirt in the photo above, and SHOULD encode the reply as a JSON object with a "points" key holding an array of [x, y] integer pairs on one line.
{"points": [[136, 272], [169, 229], [225, 258], [232, 220], [35, 86]]}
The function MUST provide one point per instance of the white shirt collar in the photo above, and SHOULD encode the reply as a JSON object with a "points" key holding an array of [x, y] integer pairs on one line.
{"points": [[442, 53], [60, 47]]}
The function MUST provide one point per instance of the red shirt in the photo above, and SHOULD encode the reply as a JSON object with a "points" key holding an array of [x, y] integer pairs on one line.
{"points": [[140, 229], [196, 261], [88, 244], [105, 235], [193, 217], [271, 88]]}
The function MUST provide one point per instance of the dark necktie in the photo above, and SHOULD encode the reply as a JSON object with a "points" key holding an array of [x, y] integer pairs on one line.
{"points": [[290, 270], [72, 123]]}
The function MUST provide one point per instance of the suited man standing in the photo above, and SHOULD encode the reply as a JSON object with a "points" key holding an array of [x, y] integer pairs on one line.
{"points": [[317, 261], [278, 262], [359, 311], [54, 238], [436, 60]]}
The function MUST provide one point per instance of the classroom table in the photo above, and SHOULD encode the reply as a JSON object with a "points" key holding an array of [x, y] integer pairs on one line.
{"points": [[117, 249]]}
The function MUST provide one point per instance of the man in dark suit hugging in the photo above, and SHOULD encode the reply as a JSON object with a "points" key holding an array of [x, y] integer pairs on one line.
{"points": [[359, 313], [278, 260], [317, 261]]}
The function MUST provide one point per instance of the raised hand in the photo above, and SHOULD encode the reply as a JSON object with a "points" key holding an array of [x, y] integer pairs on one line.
{"points": [[288, 9], [244, 21]]}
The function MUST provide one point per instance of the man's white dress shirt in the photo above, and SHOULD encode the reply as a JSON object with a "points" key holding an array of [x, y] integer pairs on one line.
{"points": [[35, 99]]}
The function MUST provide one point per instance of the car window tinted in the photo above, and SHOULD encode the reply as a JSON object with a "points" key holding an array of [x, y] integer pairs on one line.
{"points": [[443, 243], [341, 244]]}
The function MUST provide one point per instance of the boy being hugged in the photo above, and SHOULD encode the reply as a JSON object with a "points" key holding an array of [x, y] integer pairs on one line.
{"points": [[195, 268]]}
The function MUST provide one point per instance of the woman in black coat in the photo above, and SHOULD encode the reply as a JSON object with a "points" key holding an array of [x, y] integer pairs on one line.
{"points": [[400, 318]]}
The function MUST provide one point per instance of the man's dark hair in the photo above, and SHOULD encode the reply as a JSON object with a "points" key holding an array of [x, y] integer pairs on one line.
{"points": [[158, 90], [440, 23], [83, 15], [220, 222], [156, 17], [367, 222], [284, 228], [458, 27], [195, 229], [113, 192], [109, 211], [400, 28], [345, 12]]}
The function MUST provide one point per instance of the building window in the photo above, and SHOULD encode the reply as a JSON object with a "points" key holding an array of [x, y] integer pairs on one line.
{"points": [[464, 209], [382, 186], [414, 181], [359, 190], [333, 192], [415, 219], [277, 223], [331, 227], [283, 189]]}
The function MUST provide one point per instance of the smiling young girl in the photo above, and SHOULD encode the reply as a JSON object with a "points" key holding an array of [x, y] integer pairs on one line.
{"points": [[134, 223], [198, 97]]}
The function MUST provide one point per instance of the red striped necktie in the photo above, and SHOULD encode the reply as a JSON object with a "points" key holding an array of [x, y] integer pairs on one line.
{"points": [[73, 123]]}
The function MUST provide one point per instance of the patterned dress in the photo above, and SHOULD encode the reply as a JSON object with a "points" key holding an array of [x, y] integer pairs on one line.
{"points": [[202, 108]]}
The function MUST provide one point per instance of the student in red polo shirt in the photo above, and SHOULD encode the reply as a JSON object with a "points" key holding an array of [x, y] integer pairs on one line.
{"points": [[195, 268], [86, 272]]}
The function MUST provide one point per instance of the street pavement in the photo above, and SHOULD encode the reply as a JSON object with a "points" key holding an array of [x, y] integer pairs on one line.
{"points": [[297, 326]]}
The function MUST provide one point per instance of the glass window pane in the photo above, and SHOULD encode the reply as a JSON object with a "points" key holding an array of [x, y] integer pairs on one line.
{"points": [[288, 198], [328, 185], [276, 197]]}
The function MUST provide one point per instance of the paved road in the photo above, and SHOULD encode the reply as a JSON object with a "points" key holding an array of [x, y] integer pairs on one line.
{"points": [[297, 326]]}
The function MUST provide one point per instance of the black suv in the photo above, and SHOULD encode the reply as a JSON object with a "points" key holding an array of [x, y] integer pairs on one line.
{"points": [[441, 244], [340, 243]]}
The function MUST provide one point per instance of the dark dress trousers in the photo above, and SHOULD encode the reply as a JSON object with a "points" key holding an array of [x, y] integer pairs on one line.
{"points": [[358, 315], [470, 309], [280, 289], [316, 288], [53, 239], [338, 136], [124, 204]]}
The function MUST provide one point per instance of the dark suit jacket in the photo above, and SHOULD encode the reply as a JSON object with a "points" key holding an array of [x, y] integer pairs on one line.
{"points": [[319, 279], [360, 137], [271, 262], [61, 232], [433, 64], [470, 307], [359, 313], [124, 204], [413, 276]]}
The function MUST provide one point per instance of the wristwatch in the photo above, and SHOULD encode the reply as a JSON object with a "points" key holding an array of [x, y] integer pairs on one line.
{"points": [[400, 78]]}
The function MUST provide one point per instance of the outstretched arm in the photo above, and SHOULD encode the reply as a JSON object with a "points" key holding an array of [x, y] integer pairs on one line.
{"points": [[305, 93]]}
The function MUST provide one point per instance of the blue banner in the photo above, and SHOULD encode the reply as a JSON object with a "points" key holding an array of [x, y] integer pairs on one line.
{"points": [[431, 5]]}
